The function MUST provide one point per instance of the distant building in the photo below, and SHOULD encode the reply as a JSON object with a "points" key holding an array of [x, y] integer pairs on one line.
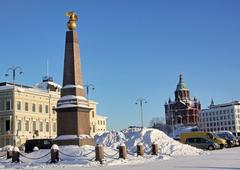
{"points": [[27, 112], [98, 123], [221, 117], [183, 110]]}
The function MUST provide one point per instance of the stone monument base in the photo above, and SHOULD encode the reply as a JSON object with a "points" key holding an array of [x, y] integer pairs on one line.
{"points": [[74, 140]]}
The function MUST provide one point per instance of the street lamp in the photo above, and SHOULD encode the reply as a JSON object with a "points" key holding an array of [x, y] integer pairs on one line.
{"points": [[14, 70], [89, 86], [140, 101]]}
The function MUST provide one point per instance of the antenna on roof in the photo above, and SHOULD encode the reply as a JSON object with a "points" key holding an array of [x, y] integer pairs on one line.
{"points": [[47, 77], [47, 68]]}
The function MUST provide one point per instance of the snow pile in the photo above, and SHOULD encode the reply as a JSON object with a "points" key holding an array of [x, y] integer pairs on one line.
{"points": [[110, 139], [133, 136], [35, 149], [7, 148], [84, 156]]}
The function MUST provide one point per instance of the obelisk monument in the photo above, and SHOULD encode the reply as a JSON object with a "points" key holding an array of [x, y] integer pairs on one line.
{"points": [[73, 111]]}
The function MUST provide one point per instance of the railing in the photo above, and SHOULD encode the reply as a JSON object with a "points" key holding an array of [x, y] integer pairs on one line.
{"points": [[55, 155]]}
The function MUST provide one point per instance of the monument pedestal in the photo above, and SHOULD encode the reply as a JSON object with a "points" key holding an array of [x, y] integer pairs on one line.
{"points": [[74, 126]]}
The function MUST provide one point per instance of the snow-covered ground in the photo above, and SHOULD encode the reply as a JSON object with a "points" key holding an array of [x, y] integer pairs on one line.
{"points": [[75, 156], [226, 159]]}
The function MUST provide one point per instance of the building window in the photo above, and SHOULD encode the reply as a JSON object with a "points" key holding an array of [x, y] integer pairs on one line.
{"points": [[92, 114], [26, 106], [34, 126], [40, 108], [54, 127], [7, 125], [46, 108], [41, 126], [18, 105], [8, 105], [19, 125], [94, 128], [27, 125], [33, 107], [231, 110], [47, 126]]}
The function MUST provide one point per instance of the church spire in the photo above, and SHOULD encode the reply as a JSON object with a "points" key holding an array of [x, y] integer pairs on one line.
{"points": [[181, 85], [212, 103], [182, 92]]}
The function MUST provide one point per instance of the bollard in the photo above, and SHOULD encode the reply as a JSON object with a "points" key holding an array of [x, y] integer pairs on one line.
{"points": [[15, 155], [140, 149], [9, 152], [154, 149], [122, 151], [54, 153], [35, 149], [99, 153]]}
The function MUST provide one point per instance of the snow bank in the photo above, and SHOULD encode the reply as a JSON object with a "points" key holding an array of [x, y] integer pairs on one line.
{"points": [[133, 136], [84, 156]]}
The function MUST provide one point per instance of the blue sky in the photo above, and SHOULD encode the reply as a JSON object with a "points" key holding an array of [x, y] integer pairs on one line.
{"points": [[129, 49]]}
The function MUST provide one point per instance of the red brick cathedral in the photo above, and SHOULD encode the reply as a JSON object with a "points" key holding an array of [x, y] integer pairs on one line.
{"points": [[183, 110]]}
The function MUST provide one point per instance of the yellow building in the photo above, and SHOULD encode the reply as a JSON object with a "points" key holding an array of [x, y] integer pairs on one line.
{"points": [[27, 112], [98, 123]]}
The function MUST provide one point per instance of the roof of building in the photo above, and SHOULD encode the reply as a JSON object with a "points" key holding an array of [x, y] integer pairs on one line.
{"points": [[181, 85], [222, 105], [41, 87]]}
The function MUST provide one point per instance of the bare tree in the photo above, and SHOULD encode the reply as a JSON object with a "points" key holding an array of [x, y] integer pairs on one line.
{"points": [[159, 123]]}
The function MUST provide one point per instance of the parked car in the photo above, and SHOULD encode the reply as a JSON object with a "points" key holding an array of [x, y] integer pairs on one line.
{"points": [[202, 143], [229, 137], [40, 143], [211, 136]]}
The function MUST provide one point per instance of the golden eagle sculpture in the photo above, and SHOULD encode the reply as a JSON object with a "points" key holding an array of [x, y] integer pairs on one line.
{"points": [[72, 23]]}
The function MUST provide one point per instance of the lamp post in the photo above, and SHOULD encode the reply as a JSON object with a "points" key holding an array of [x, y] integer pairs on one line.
{"points": [[14, 70], [89, 86], [141, 101], [173, 128]]}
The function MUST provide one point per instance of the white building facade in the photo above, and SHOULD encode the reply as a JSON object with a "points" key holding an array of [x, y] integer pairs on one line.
{"points": [[221, 117]]}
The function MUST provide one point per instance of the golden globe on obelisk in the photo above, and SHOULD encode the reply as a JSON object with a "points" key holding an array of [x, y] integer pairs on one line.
{"points": [[73, 111]]}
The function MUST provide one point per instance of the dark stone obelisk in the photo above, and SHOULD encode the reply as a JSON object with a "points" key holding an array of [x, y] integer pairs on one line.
{"points": [[73, 111]]}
